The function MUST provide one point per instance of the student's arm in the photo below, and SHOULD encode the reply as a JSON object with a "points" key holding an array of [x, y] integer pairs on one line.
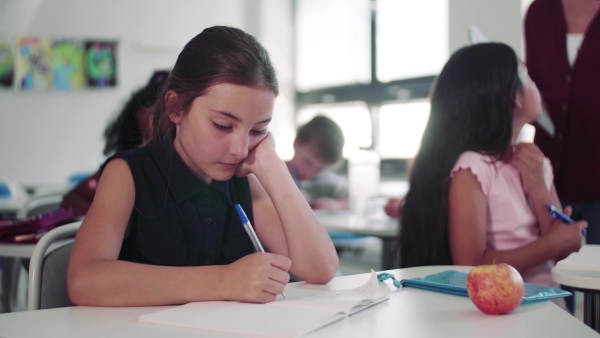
{"points": [[467, 212], [96, 277], [529, 159], [284, 221]]}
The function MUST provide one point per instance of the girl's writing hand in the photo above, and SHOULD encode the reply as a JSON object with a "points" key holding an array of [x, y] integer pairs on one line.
{"points": [[567, 237], [257, 278], [529, 159], [264, 151]]}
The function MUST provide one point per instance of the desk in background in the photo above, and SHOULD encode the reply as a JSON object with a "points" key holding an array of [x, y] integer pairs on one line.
{"points": [[581, 270], [408, 313], [12, 255], [384, 228], [25, 202]]}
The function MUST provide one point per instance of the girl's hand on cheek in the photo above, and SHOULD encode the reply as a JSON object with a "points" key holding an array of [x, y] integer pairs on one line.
{"points": [[257, 156]]}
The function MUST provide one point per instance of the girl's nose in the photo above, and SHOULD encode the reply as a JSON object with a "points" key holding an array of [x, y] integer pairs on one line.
{"points": [[239, 147]]}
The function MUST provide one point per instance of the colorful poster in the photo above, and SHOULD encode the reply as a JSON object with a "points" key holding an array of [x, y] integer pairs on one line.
{"points": [[67, 64], [7, 65], [100, 63], [33, 63]]}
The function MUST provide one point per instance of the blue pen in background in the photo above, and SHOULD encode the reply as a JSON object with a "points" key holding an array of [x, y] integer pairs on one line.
{"points": [[555, 213], [250, 230]]}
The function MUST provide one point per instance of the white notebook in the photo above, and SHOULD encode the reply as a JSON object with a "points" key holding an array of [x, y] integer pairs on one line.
{"points": [[588, 257], [282, 318]]}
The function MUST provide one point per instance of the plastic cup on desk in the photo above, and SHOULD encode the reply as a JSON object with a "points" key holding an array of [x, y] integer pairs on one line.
{"points": [[363, 176]]}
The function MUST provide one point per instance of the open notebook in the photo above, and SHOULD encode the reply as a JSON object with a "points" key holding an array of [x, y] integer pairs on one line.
{"points": [[290, 317]]}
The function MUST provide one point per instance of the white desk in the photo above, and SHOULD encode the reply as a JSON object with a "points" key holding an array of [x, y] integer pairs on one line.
{"points": [[582, 271], [408, 313], [385, 228]]}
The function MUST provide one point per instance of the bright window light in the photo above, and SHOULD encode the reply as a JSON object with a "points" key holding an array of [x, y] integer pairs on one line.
{"points": [[401, 127], [353, 118], [412, 38], [333, 43]]}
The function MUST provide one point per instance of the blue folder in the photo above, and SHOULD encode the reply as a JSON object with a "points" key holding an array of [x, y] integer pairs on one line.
{"points": [[455, 283]]}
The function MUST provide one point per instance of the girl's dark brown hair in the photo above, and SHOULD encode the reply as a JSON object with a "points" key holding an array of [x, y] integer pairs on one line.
{"points": [[217, 55], [472, 106]]}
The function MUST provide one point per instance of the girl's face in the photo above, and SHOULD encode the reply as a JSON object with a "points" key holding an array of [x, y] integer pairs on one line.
{"points": [[529, 102], [221, 127]]}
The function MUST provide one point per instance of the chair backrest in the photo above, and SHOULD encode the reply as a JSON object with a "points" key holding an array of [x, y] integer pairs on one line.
{"points": [[48, 268], [41, 204]]}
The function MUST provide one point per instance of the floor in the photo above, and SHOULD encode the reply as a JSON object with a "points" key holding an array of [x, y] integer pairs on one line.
{"points": [[361, 256]]}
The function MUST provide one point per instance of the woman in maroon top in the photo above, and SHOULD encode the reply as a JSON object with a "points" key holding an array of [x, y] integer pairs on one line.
{"points": [[571, 92], [562, 48]]}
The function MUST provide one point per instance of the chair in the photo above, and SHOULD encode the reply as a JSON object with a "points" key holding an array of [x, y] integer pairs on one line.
{"points": [[48, 269], [41, 204], [34, 206]]}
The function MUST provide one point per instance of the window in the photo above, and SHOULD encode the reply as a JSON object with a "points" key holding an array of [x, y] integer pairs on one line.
{"points": [[412, 38], [401, 127], [358, 59], [333, 43]]}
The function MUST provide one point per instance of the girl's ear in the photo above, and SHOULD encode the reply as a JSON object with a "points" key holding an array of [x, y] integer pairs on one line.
{"points": [[171, 98], [519, 100]]}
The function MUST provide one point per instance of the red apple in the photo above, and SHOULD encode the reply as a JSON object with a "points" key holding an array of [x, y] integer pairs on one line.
{"points": [[496, 288]]}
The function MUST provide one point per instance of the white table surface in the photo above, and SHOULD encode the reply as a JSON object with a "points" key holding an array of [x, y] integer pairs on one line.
{"points": [[16, 250], [26, 250], [580, 270], [408, 313]]}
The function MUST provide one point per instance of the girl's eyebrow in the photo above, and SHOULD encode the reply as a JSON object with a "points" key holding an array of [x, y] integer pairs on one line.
{"points": [[235, 118]]}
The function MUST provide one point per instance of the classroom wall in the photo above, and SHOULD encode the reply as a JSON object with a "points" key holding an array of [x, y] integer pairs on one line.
{"points": [[45, 136]]}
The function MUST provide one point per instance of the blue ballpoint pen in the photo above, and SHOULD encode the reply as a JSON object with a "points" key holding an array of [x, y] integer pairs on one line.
{"points": [[555, 213], [250, 230]]}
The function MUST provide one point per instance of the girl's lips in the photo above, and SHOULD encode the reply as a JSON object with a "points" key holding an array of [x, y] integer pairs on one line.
{"points": [[230, 165]]}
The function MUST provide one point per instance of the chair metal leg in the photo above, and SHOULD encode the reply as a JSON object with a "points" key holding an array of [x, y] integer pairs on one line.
{"points": [[591, 309], [10, 278]]}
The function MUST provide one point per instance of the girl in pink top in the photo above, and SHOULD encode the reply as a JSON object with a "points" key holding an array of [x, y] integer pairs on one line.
{"points": [[475, 195]]}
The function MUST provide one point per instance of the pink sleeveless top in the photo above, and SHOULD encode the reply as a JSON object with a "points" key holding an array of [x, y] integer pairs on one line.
{"points": [[511, 220]]}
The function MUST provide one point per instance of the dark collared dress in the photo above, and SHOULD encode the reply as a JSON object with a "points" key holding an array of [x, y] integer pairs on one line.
{"points": [[178, 220]]}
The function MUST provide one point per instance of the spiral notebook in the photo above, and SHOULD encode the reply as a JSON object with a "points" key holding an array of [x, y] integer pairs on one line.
{"points": [[455, 283]]}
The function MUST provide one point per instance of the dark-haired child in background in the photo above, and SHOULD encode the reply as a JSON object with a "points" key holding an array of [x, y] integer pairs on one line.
{"points": [[128, 130]]}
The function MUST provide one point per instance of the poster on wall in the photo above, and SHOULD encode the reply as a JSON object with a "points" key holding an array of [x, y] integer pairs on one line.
{"points": [[67, 64], [7, 65], [100, 63], [33, 63]]}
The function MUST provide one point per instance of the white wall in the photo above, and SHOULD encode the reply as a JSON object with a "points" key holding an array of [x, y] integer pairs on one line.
{"points": [[498, 20], [47, 135]]}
